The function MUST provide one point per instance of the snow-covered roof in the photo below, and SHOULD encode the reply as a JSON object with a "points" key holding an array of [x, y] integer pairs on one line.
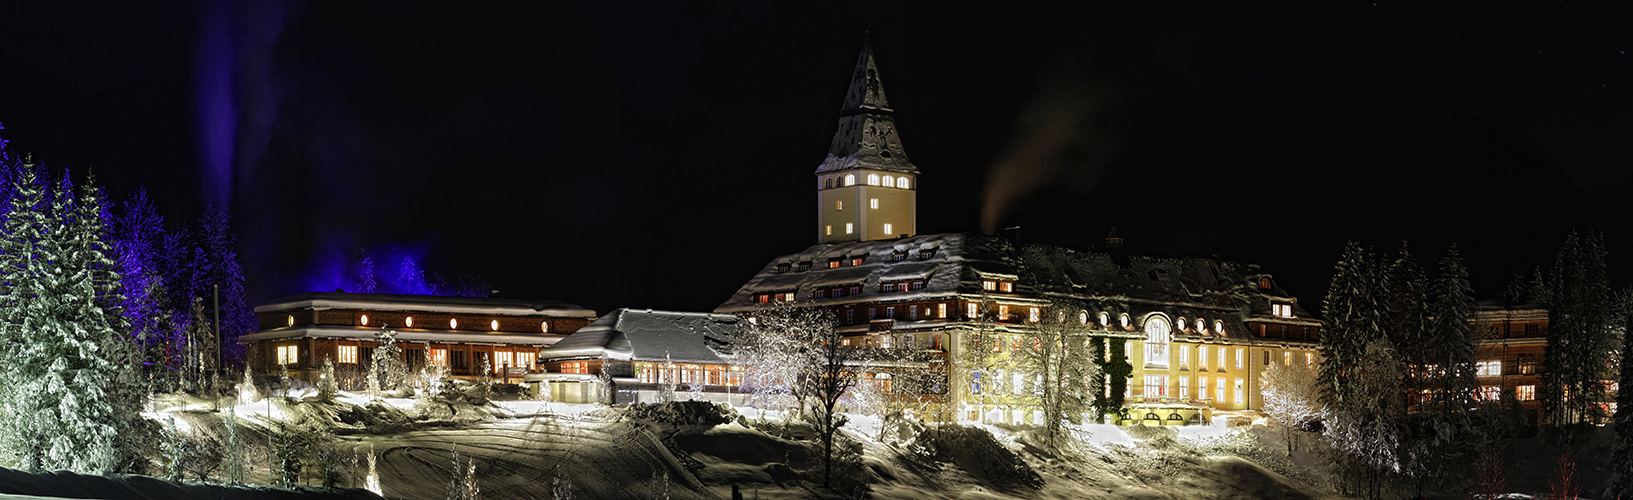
{"points": [[410, 336], [425, 303], [866, 137], [953, 265], [648, 335]]}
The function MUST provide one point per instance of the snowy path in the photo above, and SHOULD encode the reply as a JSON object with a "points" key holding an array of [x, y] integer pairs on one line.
{"points": [[520, 458]]}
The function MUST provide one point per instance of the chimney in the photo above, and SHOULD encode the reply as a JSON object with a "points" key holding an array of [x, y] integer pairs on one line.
{"points": [[1012, 233]]}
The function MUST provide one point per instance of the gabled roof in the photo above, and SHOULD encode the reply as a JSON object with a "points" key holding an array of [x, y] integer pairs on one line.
{"points": [[425, 303], [648, 335], [866, 135]]}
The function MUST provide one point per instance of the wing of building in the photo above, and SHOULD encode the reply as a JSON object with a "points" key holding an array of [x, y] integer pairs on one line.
{"points": [[624, 356]]}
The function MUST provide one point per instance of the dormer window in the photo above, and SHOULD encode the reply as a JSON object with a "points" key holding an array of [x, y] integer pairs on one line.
{"points": [[1282, 310], [916, 285], [1182, 325], [804, 265], [784, 267], [898, 256], [926, 254], [1219, 327], [1264, 283], [856, 261], [762, 299], [989, 285], [887, 287], [1123, 320], [833, 263], [1006, 286], [1105, 319], [856, 290]]}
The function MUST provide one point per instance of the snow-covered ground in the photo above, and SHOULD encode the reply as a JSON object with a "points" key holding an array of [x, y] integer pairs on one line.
{"points": [[531, 449]]}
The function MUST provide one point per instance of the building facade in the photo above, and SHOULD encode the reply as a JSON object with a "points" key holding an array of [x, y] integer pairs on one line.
{"points": [[299, 331], [1198, 332], [633, 355]]}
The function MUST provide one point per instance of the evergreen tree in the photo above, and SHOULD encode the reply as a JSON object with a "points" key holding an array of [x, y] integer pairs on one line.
{"points": [[1621, 461], [1443, 430], [1580, 345], [235, 447], [218, 256], [328, 387], [1407, 290], [1352, 319], [387, 366], [1360, 375], [68, 389]]}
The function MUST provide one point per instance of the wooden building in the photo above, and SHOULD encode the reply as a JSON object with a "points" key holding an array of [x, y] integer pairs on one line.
{"points": [[299, 331], [625, 356]]}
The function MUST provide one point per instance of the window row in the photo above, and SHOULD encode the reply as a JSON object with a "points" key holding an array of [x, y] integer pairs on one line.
{"points": [[766, 298], [453, 323], [886, 180], [1003, 286]]}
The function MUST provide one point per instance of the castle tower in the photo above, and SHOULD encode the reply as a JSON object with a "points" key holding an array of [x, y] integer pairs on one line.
{"points": [[866, 188]]}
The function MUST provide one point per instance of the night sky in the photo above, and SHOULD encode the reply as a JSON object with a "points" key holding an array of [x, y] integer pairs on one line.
{"points": [[659, 154]]}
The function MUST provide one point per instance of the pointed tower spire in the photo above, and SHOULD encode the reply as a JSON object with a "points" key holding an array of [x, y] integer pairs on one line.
{"points": [[866, 187]]}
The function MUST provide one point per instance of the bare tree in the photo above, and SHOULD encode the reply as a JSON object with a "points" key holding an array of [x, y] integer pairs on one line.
{"points": [[830, 370], [1291, 399], [1057, 359]]}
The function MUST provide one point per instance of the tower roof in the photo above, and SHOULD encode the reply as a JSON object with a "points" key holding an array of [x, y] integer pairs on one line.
{"points": [[867, 127]]}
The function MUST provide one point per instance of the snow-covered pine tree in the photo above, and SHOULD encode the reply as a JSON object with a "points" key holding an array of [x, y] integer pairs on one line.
{"points": [[1580, 344], [1407, 290], [387, 368], [175, 451], [246, 389], [70, 394], [328, 387], [1442, 430], [1360, 375], [235, 448], [1352, 318], [287, 454], [327, 457], [1621, 460]]}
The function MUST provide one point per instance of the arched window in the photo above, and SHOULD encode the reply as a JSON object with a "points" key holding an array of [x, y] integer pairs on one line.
{"points": [[830, 183], [890, 181], [1156, 341], [850, 179], [873, 179], [901, 182]]}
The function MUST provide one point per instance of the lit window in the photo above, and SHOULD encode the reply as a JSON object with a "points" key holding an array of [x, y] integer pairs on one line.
{"points": [[1287, 358], [1526, 392], [873, 179], [839, 204], [935, 341], [975, 382], [1032, 315], [856, 261], [1156, 386], [408, 321], [888, 230], [291, 320], [438, 357], [1240, 357], [1199, 328], [989, 285], [527, 359], [1006, 286], [972, 310], [494, 325], [1185, 387], [941, 311], [788, 297], [849, 229], [364, 320], [453, 323], [901, 182], [288, 355], [850, 179], [502, 359], [1181, 324], [1488, 368], [1202, 387], [1309, 359], [1184, 357], [1003, 311], [1105, 319], [886, 342], [1123, 320], [890, 181], [1156, 341], [1238, 391], [544, 326], [348, 354], [1202, 358], [1222, 359], [1219, 390], [828, 230], [1218, 326], [1490, 392]]}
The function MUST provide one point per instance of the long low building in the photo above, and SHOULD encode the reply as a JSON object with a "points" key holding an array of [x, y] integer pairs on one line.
{"points": [[625, 356], [299, 331]]}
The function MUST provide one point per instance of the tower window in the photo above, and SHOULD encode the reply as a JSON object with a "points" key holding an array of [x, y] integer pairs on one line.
{"points": [[890, 181], [849, 228], [901, 182], [888, 231], [839, 204], [873, 203], [830, 182], [873, 179], [850, 179], [828, 230]]}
